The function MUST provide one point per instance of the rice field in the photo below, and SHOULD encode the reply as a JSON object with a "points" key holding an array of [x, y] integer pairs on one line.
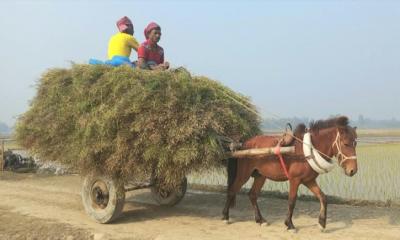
{"points": [[378, 177]]}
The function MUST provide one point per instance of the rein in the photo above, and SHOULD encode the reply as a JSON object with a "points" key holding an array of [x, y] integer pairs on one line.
{"points": [[340, 154], [323, 164], [337, 141], [317, 162]]}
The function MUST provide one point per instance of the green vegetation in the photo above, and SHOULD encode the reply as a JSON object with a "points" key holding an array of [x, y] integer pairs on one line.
{"points": [[127, 123]]}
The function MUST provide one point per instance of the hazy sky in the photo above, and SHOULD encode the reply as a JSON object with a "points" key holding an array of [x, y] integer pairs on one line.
{"points": [[293, 58]]}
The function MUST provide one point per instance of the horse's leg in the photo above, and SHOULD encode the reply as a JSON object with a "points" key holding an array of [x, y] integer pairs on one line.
{"points": [[294, 185], [314, 188], [241, 179], [229, 199], [253, 194]]}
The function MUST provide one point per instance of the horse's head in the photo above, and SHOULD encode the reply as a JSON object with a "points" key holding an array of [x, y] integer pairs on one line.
{"points": [[344, 146]]}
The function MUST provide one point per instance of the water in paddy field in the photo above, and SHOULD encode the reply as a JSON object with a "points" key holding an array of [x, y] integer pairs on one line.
{"points": [[377, 179], [380, 140]]}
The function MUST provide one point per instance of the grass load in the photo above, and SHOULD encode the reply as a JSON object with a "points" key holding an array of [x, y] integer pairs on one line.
{"points": [[130, 124]]}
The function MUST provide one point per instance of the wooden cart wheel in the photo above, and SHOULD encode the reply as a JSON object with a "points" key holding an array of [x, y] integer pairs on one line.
{"points": [[103, 198], [169, 198]]}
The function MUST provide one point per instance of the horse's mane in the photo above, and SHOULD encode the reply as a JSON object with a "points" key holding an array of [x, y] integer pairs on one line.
{"points": [[341, 121]]}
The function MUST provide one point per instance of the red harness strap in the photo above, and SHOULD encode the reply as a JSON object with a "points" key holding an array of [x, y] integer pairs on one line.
{"points": [[283, 165]]}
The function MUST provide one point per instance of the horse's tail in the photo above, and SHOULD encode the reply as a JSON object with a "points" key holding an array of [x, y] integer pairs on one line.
{"points": [[232, 170]]}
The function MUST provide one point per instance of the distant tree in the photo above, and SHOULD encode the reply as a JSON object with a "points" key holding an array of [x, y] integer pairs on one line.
{"points": [[4, 129]]}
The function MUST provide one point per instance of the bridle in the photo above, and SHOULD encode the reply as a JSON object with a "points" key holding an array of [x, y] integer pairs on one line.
{"points": [[340, 155]]}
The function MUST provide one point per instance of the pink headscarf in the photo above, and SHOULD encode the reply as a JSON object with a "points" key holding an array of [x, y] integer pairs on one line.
{"points": [[123, 23], [150, 27]]}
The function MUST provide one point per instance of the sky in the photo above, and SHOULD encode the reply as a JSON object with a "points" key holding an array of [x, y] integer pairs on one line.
{"points": [[304, 58]]}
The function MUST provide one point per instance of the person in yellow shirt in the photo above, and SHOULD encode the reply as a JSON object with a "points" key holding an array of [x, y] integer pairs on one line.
{"points": [[122, 43]]}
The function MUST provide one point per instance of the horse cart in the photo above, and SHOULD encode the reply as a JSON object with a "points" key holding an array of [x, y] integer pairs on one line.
{"points": [[104, 197]]}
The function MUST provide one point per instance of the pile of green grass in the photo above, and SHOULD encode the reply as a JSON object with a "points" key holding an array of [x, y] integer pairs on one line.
{"points": [[129, 123]]}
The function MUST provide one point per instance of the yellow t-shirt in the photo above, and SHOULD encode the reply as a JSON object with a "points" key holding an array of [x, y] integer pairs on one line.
{"points": [[121, 44]]}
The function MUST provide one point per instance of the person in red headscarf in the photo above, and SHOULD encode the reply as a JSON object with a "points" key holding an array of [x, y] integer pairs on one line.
{"points": [[150, 54], [122, 43]]}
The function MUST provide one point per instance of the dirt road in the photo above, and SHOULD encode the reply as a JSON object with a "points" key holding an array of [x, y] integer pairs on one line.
{"points": [[40, 207]]}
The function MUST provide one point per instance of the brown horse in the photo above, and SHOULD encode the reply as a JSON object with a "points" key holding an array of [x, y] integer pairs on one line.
{"points": [[329, 138]]}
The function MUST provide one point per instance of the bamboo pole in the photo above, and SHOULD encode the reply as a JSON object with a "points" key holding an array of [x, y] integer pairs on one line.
{"points": [[260, 152]]}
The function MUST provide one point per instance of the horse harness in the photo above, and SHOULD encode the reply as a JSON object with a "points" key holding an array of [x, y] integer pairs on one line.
{"points": [[340, 154], [316, 161]]}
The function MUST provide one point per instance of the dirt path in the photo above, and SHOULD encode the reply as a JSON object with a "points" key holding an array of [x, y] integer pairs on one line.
{"points": [[38, 207]]}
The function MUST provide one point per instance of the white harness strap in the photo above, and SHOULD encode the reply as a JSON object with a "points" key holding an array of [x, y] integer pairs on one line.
{"points": [[314, 158], [316, 161]]}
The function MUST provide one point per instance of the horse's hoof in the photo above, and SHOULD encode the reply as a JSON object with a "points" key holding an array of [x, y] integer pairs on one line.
{"points": [[321, 228], [292, 230], [226, 221], [264, 224]]}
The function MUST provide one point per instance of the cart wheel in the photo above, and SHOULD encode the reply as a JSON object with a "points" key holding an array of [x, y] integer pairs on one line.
{"points": [[103, 198], [169, 198]]}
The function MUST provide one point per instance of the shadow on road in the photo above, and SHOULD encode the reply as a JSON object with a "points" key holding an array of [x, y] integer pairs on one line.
{"points": [[140, 207]]}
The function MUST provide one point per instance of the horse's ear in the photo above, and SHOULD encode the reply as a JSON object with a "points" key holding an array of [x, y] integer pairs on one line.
{"points": [[355, 132]]}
